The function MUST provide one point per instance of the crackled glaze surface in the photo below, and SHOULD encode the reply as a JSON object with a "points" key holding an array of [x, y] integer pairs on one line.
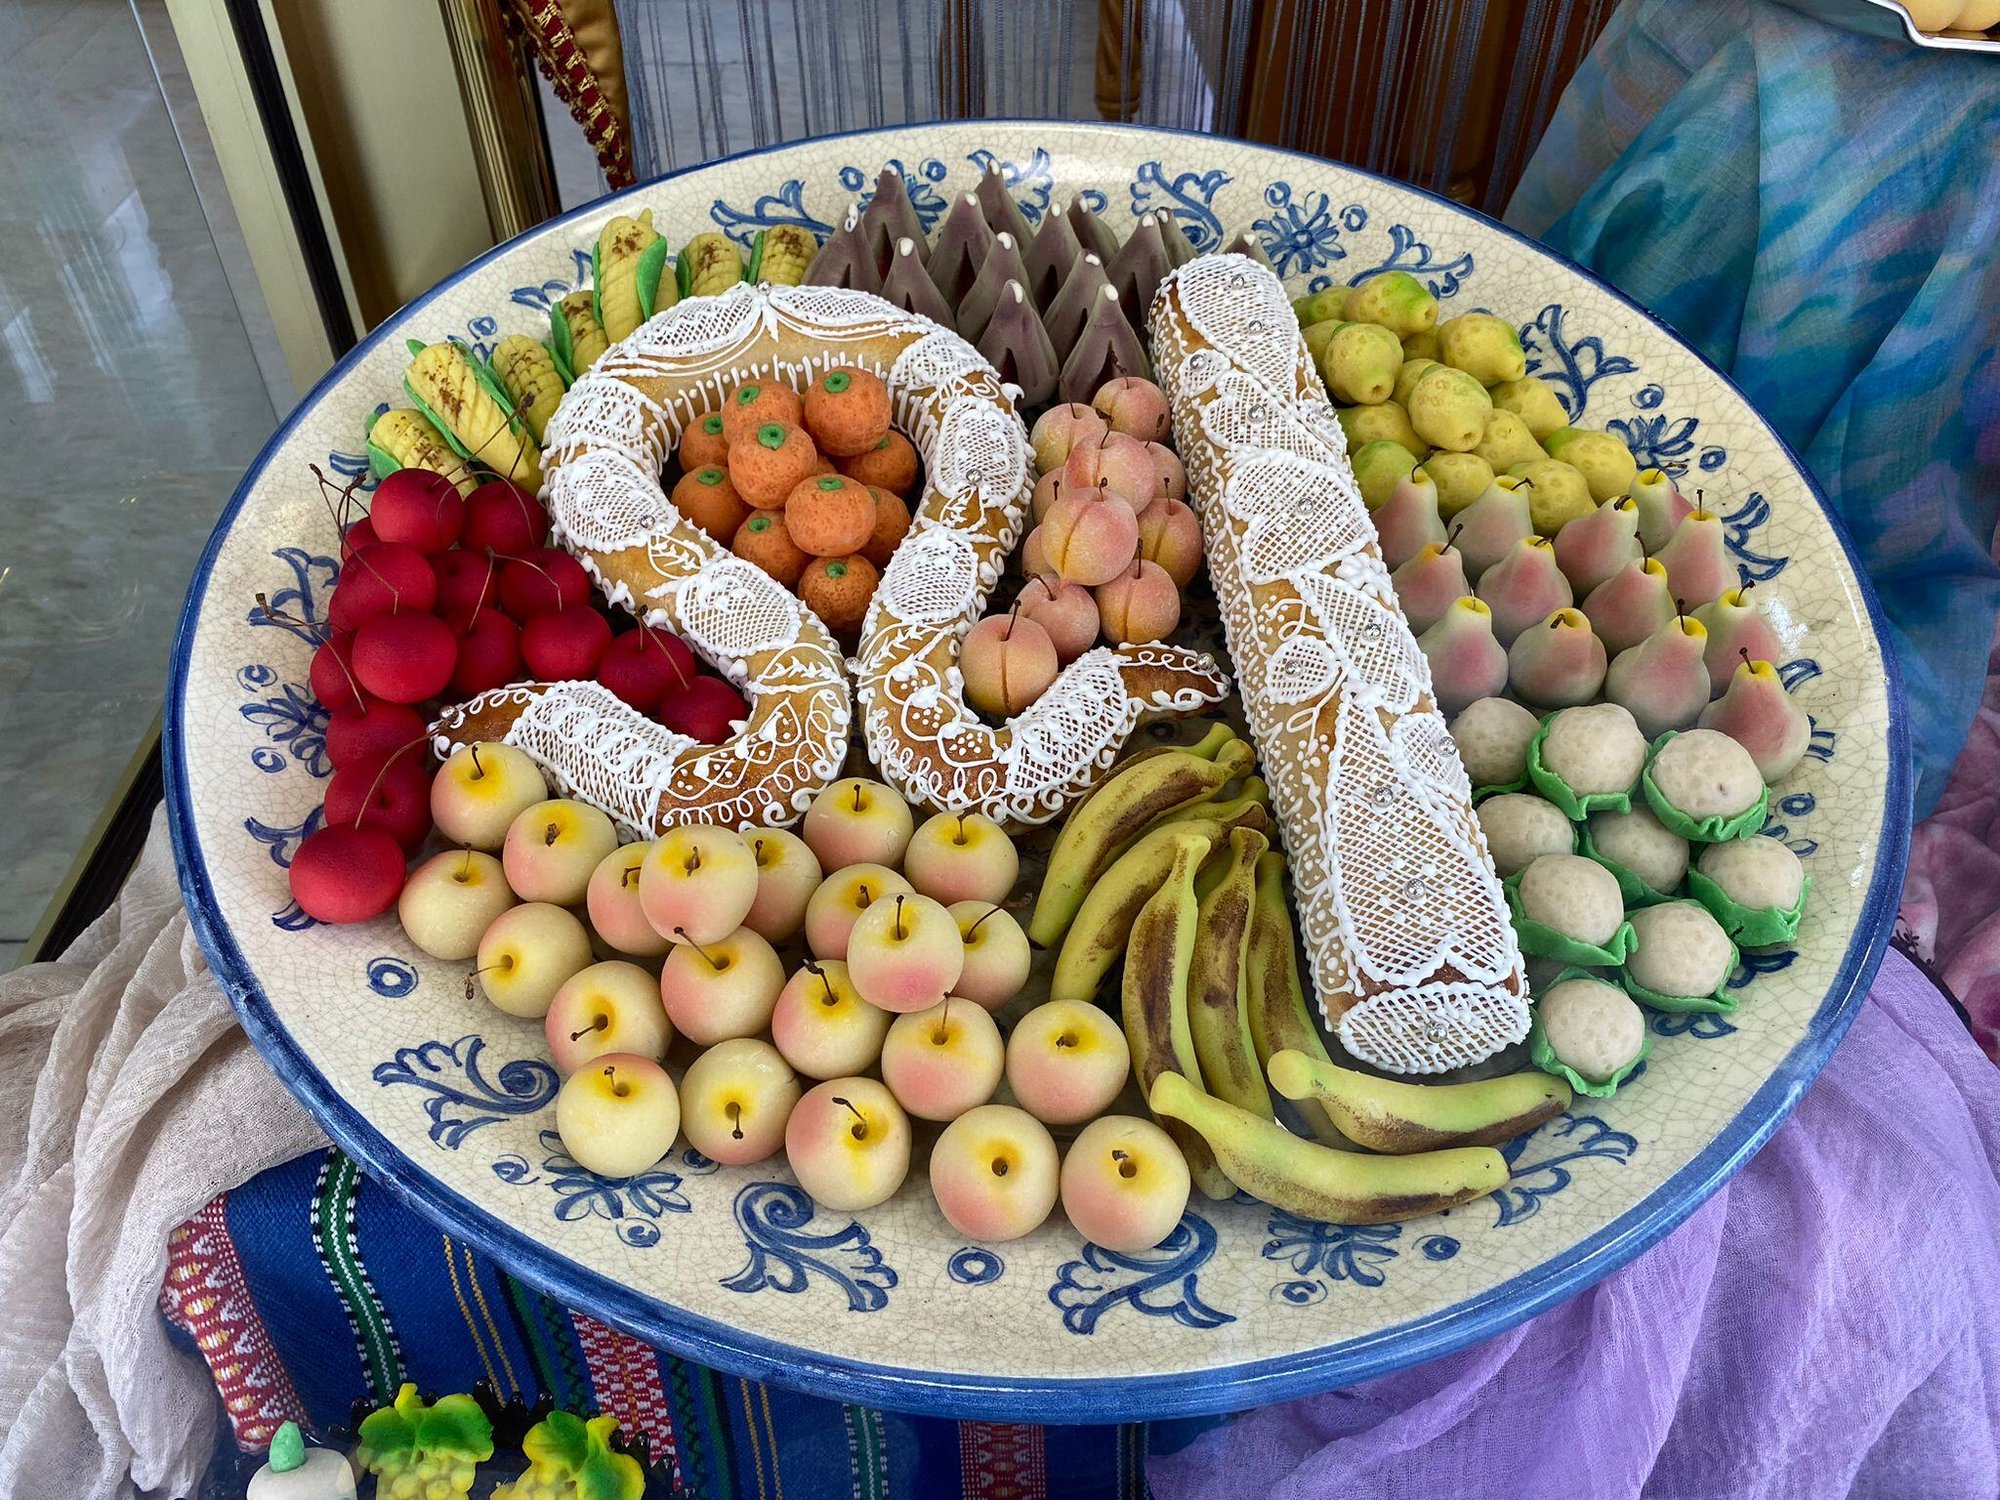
{"points": [[449, 1102]]}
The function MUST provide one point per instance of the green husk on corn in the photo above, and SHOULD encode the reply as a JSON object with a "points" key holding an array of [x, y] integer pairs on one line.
{"points": [[528, 374], [782, 254], [467, 404], [576, 338], [406, 439], [627, 268], [709, 264]]}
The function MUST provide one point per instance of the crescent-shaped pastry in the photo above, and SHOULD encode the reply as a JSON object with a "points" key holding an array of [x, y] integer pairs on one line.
{"points": [[1413, 953], [607, 445]]}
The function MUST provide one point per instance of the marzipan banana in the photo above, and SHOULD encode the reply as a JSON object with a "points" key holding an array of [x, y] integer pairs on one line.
{"points": [[1274, 1000], [1217, 1021], [1334, 1187], [1400, 1118]]}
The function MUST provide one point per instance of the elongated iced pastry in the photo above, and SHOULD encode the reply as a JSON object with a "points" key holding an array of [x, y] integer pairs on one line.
{"points": [[1413, 955]]}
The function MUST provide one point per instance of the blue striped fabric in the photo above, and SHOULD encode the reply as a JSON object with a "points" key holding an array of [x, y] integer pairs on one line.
{"points": [[1818, 212], [357, 1293]]}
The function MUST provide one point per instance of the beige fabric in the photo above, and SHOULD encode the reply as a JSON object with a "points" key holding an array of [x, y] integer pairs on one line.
{"points": [[132, 1098]]}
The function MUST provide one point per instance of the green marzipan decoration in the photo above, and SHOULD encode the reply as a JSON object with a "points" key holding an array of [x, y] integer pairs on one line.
{"points": [[1714, 829], [1750, 926], [562, 349], [288, 1449], [750, 272], [1635, 891], [1719, 1003], [1545, 942], [652, 264], [1543, 1056], [1481, 793], [455, 1429], [1553, 787], [574, 1459]]}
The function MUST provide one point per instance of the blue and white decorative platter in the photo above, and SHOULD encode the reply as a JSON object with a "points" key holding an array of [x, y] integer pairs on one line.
{"points": [[448, 1102]]}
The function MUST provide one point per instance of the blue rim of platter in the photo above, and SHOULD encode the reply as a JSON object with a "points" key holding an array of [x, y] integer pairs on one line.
{"points": [[1202, 1391]]}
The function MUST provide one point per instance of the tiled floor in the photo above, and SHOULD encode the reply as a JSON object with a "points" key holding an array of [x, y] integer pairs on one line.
{"points": [[134, 404]]}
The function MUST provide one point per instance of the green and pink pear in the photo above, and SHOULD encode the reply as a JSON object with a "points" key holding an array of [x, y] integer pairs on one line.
{"points": [[1466, 662], [1408, 521], [1488, 529], [1662, 507], [1427, 584], [1737, 632], [1595, 547], [1524, 588], [1757, 713], [1662, 682], [1558, 663], [1697, 559], [1629, 605]]}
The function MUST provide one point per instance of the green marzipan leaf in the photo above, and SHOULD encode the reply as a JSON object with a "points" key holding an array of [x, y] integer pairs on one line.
{"points": [[652, 265]]}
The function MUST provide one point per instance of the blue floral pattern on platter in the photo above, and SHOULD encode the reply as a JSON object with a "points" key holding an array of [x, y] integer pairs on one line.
{"points": [[748, 1263], [633, 1205], [1158, 1283], [786, 1252]]}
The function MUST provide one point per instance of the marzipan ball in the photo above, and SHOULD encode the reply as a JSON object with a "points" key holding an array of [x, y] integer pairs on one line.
{"points": [[1758, 874], [1593, 1028], [1706, 774], [1520, 829], [1678, 949], [1638, 841], [847, 411], [891, 464], [838, 589], [767, 464], [703, 442], [1492, 736], [1574, 896], [758, 403], [1594, 750]]}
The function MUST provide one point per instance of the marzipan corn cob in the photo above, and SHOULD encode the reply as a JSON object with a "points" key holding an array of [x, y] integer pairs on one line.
{"points": [[576, 338], [528, 374], [626, 270], [405, 439], [473, 414], [782, 254], [709, 264]]}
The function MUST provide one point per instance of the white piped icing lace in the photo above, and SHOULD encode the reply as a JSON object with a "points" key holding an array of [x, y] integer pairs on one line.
{"points": [[1395, 891]]}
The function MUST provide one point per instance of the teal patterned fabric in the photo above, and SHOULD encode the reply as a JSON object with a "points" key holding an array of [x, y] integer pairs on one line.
{"points": [[1818, 212]]}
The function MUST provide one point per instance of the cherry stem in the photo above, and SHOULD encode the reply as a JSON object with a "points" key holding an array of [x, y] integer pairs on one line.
{"points": [[681, 933], [375, 785]]}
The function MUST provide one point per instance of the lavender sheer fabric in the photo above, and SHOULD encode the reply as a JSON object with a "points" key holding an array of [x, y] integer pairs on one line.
{"points": [[1827, 1324]]}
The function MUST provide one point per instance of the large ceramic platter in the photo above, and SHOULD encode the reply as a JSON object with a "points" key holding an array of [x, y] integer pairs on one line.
{"points": [[448, 1103]]}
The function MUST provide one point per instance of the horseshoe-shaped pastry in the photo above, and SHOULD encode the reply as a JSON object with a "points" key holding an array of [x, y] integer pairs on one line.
{"points": [[606, 447]]}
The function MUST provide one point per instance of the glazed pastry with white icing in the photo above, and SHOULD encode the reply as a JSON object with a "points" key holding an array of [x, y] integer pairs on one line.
{"points": [[1414, 957]]}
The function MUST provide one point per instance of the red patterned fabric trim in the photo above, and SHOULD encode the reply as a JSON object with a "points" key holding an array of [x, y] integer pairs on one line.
{"points": [[1002, 1461], [625, 1378], [204, 1295], [569, 73]]}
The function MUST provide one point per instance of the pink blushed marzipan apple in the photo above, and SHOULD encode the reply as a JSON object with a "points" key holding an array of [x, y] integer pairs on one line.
{"points": [[1124, 1183], [943, 1061], [612, 899], [1066, 1062], [841, 899], [787, 874], [848, 1143], [479, 791], [997, 955], [962, 857], [735, 1100], [698, 883], [618, 1116], [726, 988], [609, 1007], [450, 900], [527, 954], [904, 953], [856, 821], [553, 847], [994, 1172], [823, 1026]]}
